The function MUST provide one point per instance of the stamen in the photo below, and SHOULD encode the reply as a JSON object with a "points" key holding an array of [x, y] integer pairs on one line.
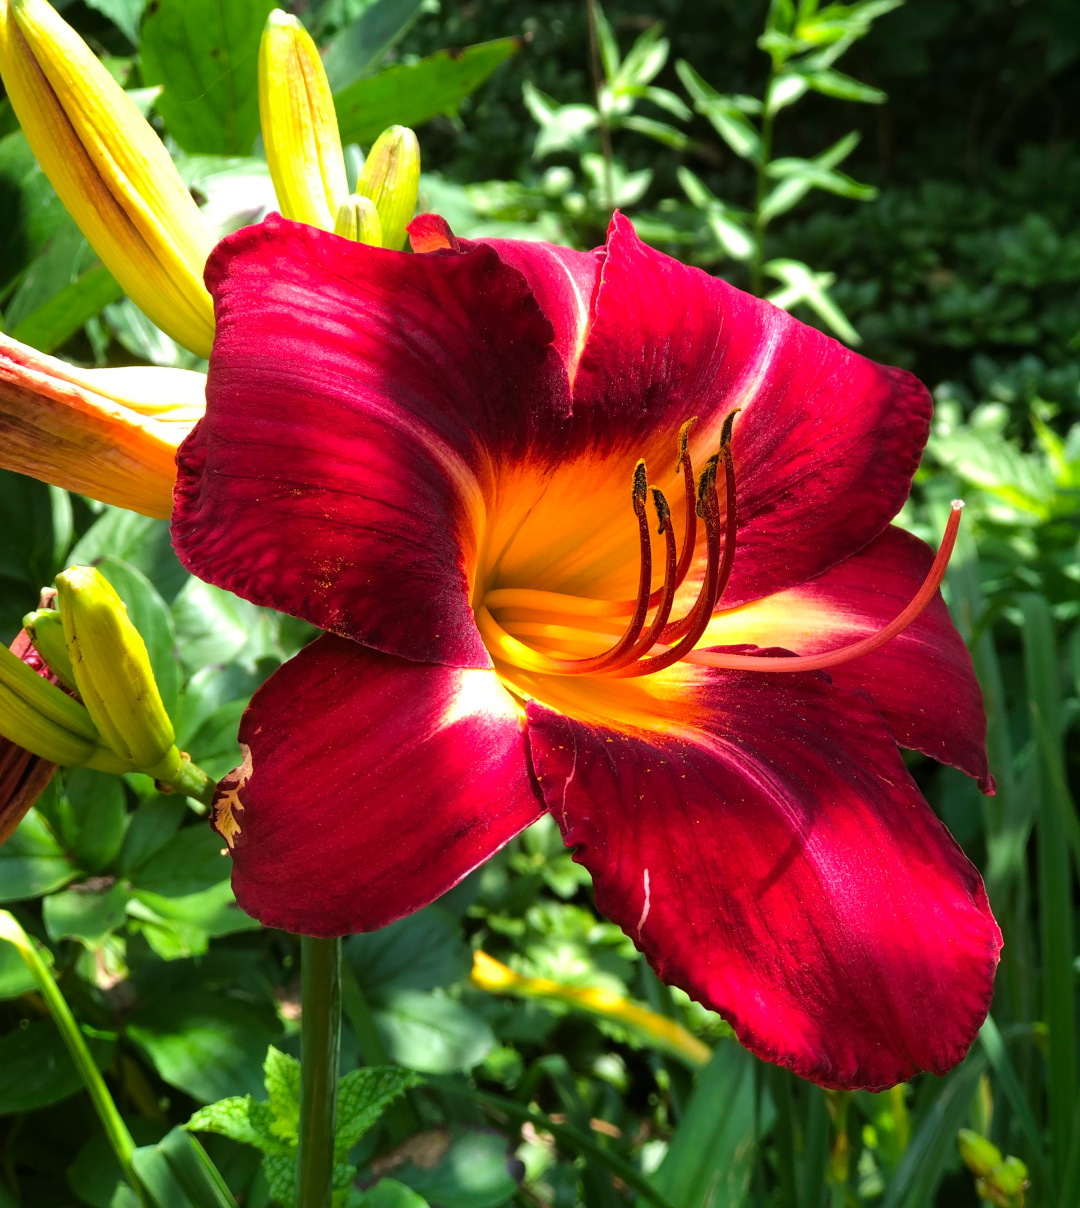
{"points": [[686, 554], [832, 658], [708, 508]]}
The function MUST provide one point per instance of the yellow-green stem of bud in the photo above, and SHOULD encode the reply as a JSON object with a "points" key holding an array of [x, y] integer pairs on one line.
{"points": [[113, 673], [46, 700], [46, 632], [358, 220], [110, 169], [299, 125], [391, 178]]}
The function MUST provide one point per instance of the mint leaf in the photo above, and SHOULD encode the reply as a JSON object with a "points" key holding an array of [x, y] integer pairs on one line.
{"points": [[363, 1096]]}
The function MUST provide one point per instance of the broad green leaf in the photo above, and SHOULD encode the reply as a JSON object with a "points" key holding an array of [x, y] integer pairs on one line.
{"points": [[32, 863], [431, 1033], [711, 1154], [359, 48], [363, 1096], [409, 94], [84, 913], [214, 626], [146, 340], [472, 1173], [32, 550], [96, 1176], [140, 541], [422, 951], [15, 976], [190, 862], [55, 321], [36, 1069], [179, 1163], [205, 54], [208, 1045], [126, 15], [389, 1193], [211, 912], [152, 825], [63, 260], [88, 815], [214, 745]]}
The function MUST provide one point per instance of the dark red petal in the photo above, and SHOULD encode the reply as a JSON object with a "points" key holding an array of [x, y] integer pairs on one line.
{"points": [[375, 785], [827, 441], [353, 393], [774, 858], [922, 681]]}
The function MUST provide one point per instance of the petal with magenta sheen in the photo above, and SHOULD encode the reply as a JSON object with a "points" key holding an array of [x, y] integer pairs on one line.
{"points": [[766, 849], [922, 681], [825, 446], [354, 393], [371, 786]]}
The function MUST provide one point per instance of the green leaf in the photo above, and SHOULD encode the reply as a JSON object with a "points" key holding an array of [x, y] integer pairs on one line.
{"points": [[56, 320], [711, 1154], [359, 48], [363, 1096], [422, 951], [472, 1173], [431, 1033], [84, 913], [88, 815], [30, 211], [389, 1193], [213, 912], [32, 863], [191, 1168], [15, 977], [282, 1075], [844, 88], [205, 1044], [63, 259], [124, 14], [205, 53], [152, 825], [190, 862], [214, 626], [409, 94], [803, 285], [728, 114], [240, 1118], [36, 1069], [139, 541]]}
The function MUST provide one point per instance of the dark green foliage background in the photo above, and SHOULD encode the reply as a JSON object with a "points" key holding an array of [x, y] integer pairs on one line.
{"points": [[965, 269]]}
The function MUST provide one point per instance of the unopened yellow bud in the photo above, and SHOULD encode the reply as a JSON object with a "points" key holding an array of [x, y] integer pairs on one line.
{"points": [[299, 124], [46, 633], [113, 673], [391, 178], [358, 220], [111, 434], [109, 168]]}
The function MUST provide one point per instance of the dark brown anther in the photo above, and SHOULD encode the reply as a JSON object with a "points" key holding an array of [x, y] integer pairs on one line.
{"points": [[684, 437], [641, 486], [663, 512]]}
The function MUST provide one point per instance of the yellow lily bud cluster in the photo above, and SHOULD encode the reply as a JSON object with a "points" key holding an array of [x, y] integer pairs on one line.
{"points": [[117, 721], [303, 149]]}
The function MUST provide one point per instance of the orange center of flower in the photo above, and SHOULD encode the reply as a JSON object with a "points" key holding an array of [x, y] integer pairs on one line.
{"points": [[552, 624]]}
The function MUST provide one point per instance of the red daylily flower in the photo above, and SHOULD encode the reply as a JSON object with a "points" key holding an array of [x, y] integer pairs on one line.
{"points": [[435, 457]]}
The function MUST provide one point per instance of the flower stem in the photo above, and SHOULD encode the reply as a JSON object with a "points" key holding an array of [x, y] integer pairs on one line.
{"points": [[115, 1129], [193, 782], [320, 1042]]}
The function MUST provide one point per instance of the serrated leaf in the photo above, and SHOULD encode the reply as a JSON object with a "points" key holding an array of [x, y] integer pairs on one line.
{"points": [[231, 1118], [363, 1096], [283, 1088], [280, 1173]]}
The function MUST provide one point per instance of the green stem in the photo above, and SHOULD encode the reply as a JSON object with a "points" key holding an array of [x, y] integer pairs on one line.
{"points": [[193, 782], [320, 1044], [115, 1129], [757, 278]]}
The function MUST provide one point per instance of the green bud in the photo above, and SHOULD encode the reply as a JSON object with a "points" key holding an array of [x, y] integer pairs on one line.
{"points": [[113, 673], [980, 1155], [21, 724], [46, 632], [391, 178], [358, 220], [36, 696]]}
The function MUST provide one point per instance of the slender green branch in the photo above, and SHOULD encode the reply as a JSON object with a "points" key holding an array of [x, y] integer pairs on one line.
{"points": [[193, 782], [320, 1044], [596, 68], [115, 1129]]}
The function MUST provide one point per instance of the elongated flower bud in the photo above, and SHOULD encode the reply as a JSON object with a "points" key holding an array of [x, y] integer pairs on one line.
{"points": [[39, 716], [358, 220], [299, 124], [111, 434], [110, 169], [46, 632], [23, 775], [391, 178], [113, 673]]}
